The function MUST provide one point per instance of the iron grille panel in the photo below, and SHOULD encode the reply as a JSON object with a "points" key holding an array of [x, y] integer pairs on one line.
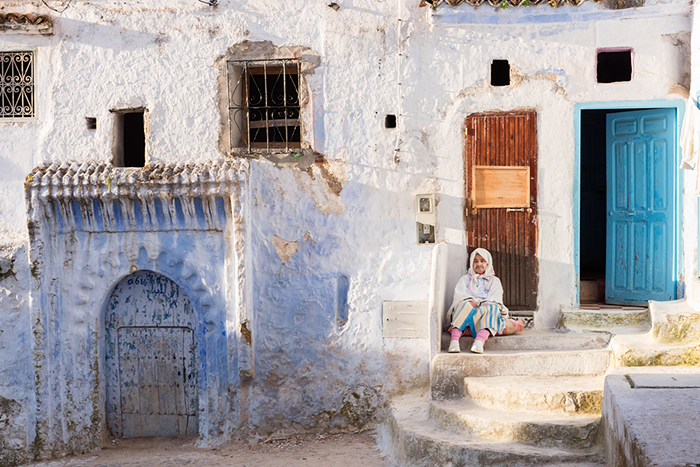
{"points": [[264, 105], [16, 84]]}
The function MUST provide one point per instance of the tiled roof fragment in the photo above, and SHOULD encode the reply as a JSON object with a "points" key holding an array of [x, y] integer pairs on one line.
{"points": [[26, 23]]}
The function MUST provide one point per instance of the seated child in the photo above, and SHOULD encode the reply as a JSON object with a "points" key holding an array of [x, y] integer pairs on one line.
{"points": [[478, 305]]}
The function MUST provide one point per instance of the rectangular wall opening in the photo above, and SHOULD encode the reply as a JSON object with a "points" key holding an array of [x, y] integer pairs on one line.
{"points": [[614, 66], [129, 146], [500, 73]]}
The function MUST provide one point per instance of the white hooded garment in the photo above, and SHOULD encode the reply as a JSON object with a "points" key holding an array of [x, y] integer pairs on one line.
{"points": [[485, 288]]}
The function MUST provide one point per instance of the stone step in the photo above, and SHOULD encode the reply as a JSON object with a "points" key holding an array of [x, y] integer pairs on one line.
{"points": [[608, 319], [571, 431], [562, 395], [644, 351], [410, 437], [535, 340], [449, 370], [675, 322]]}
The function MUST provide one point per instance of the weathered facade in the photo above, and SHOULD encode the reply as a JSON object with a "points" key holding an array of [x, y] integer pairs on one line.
{"points": [[278, 238]]}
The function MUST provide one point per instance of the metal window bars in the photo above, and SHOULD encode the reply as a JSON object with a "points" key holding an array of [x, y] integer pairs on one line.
{"points": [[264, 105], [16, 84]]}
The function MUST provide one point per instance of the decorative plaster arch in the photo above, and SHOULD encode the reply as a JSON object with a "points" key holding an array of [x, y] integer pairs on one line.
{"points": [[90, 226]]}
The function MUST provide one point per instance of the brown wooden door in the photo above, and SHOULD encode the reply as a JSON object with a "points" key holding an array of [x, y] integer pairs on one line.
{"points": [[501, 199]]}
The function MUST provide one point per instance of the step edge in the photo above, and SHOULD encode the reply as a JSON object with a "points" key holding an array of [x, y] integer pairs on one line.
{"points": [[421, 429]]}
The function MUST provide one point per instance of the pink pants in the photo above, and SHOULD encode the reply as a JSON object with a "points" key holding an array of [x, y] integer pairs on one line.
{"points": [[512, 326]]}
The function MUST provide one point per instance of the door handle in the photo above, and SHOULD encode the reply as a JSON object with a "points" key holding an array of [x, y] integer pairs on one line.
{"points": [[529, 210]]}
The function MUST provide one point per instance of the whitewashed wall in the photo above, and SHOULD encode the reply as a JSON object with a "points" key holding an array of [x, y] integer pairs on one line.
{"points": [[690, 195], [377, 57], [554, 68]]}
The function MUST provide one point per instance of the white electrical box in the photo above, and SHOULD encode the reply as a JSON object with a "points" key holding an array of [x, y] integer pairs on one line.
{"points": [[425, 209], [426, 218], [405, 320]]}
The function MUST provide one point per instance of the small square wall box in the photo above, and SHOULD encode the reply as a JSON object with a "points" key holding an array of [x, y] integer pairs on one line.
{"points": [[426, 219], [405, 320], [425, 209]]}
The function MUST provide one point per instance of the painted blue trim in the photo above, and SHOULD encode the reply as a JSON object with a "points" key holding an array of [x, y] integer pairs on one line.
{"points": [[679, 105]]}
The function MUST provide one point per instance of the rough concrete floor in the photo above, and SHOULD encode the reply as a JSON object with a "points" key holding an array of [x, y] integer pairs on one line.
{"points": [[306, 450]]}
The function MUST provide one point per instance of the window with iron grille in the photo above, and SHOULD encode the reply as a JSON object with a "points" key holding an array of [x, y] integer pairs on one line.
{"points": [[264, 105], [16, 84]]}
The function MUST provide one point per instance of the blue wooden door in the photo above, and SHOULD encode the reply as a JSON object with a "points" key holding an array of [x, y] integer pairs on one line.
{"points": [[641, 148]]}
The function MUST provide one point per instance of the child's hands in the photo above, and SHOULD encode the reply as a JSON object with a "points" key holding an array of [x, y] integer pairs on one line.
{"points": [[474, 303]]}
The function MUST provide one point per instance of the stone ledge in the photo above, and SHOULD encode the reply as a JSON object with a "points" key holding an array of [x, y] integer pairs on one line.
{"points": [[99, 179], [97, 197], [645, 426]]}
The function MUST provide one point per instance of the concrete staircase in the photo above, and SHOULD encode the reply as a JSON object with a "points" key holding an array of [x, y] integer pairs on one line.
{"points": [[531, 399], [535, 398]]}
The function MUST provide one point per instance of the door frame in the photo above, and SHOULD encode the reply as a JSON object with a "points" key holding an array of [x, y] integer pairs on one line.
{"points": [[533, 182], [679, 105]]}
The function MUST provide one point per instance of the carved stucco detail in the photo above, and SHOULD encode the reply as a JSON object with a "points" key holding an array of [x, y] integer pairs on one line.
{"points": [[92, 224]]}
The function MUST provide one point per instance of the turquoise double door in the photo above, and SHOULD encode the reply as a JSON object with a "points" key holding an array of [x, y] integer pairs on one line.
{"points": [[641, 174]]}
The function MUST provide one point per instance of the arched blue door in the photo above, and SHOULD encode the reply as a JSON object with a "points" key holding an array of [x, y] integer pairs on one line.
{"points": [[150, 358]]}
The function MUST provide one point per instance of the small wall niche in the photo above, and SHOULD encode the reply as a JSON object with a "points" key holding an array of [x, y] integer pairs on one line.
{"points": [[614, 65], [500, 73], [129, 145]]}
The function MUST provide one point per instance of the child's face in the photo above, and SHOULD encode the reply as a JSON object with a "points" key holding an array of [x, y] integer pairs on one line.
{"points": [[480, 264]]}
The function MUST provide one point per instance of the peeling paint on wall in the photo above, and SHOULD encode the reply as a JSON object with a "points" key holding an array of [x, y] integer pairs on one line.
{"points": [[325, 183], [285, 249]]}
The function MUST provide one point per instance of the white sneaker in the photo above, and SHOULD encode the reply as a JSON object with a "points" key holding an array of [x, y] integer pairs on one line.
{"points": [[478, 347], [454, 347]]}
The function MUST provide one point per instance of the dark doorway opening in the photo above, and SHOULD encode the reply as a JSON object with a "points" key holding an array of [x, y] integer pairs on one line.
{"points": [[593, 195], [129, 139]]}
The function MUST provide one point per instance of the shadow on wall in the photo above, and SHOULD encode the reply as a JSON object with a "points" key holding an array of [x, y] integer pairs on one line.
{"points": [[315, 369], [108, 36]]}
